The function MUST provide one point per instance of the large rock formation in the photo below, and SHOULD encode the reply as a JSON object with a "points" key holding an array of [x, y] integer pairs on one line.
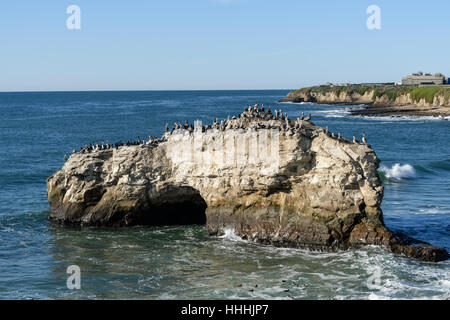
{"points": [[271, 180]]}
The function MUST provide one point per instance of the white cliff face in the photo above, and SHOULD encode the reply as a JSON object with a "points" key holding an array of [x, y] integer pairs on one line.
{"points": [[380, 104], [291, 186]]}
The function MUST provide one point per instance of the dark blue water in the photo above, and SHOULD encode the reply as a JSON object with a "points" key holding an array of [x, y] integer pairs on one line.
{"points": [[37, 129]]}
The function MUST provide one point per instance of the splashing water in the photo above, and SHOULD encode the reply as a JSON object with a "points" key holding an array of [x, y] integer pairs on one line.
{"points": [[398, 171], [230, 235]]}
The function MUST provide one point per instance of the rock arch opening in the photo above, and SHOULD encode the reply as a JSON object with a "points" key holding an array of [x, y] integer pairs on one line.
{"points": [[176, 205]]}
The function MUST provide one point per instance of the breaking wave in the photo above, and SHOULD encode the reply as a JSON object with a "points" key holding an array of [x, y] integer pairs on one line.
{"points": [[398, 172], [230, 235]]}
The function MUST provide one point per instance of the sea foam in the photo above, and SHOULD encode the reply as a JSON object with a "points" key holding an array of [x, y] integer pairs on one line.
{"points": [[398, 171], [230, 234]]}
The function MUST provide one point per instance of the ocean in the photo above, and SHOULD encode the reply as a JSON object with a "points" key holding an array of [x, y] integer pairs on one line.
{"points": [[184, 262]]}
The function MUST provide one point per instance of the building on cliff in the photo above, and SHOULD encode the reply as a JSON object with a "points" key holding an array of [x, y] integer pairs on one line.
{"points": [[419, 78]]}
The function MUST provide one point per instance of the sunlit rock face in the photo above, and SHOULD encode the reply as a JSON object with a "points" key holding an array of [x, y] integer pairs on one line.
{"points": [[271, 180]]}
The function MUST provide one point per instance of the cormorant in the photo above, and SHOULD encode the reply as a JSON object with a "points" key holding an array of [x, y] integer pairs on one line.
{"points": [[364, 140]]}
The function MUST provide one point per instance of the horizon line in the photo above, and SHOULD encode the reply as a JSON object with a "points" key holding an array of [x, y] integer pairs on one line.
{"points": [[138, 90]]}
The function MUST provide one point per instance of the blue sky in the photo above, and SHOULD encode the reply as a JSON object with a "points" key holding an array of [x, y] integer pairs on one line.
{"points": [[217, 44]]}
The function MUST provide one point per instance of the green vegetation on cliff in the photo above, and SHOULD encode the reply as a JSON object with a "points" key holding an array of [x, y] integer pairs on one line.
{"points": [[428, 93]]}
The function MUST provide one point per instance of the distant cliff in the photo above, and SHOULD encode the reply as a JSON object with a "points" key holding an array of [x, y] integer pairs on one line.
{"points": [[386, 99], [272, 180]]}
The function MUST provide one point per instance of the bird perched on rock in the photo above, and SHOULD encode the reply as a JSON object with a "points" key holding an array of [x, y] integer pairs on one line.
{"points": [[364, 140]]}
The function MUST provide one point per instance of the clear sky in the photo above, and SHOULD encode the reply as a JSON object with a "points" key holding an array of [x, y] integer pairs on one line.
{"points": [[217, 44]]}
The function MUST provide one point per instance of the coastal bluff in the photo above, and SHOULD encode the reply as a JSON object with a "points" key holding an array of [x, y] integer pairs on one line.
{"points": [[385, 100], [270, 179]]}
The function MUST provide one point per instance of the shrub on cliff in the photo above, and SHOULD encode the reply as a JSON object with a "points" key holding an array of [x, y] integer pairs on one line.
{"points": [[428, 93]]}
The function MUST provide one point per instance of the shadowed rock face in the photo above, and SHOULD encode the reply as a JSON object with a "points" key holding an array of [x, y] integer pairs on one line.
{"points": [[286, 183]]}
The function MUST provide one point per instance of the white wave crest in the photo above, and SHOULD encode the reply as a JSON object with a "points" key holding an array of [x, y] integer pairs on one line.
{"points": [[230, 234], [398, 171], [404, 118]]}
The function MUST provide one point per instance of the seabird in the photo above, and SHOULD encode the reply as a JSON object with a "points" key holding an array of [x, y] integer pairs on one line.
{"points": [[364, 140], [308, 118]]}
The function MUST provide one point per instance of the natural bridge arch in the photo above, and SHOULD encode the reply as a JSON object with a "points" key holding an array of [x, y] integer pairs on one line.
{"points": [[315, 190], [175, 205]]}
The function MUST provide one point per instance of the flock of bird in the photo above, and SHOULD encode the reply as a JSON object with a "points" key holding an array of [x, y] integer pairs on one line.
{"points": [[105, 145], [241, 122]]}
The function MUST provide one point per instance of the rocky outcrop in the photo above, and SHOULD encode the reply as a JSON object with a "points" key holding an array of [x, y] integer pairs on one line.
{"points": [[379, 100], [271, 180], [331, 97]]}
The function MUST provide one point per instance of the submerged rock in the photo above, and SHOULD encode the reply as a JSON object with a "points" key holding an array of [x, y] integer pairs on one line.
{"points": [[268, 179]]}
